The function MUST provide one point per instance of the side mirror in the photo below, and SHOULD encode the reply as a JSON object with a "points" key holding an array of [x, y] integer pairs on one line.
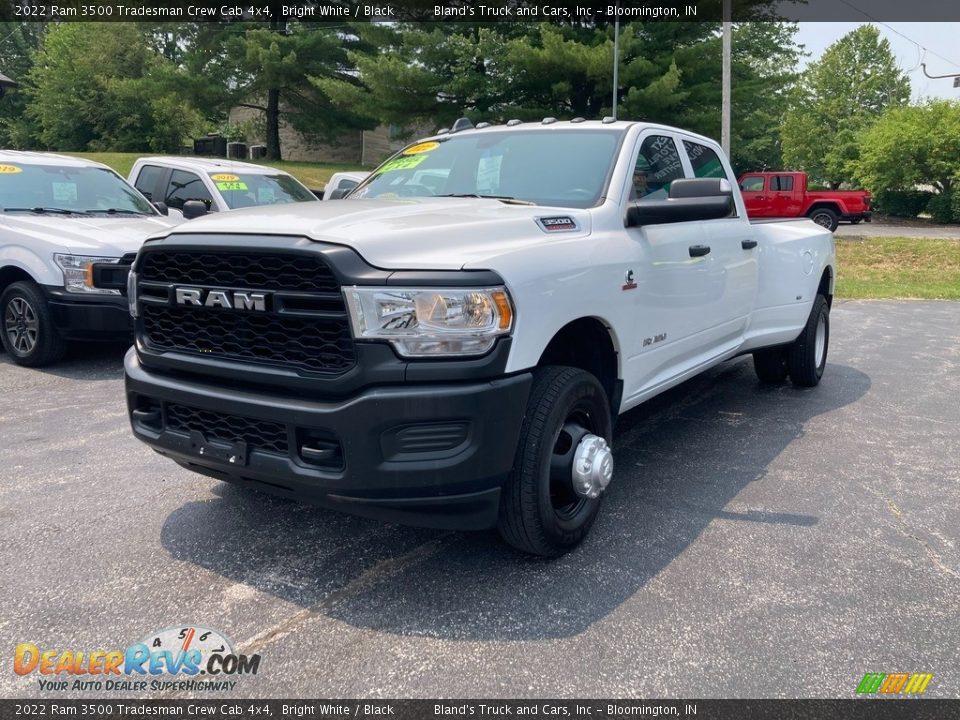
{"points": [[339, 193], [161, 207], [690, 199], [194, 209]]}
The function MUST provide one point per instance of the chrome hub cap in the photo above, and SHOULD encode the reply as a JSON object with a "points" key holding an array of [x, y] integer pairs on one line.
{"points": [[592, 466], [21, 325]]}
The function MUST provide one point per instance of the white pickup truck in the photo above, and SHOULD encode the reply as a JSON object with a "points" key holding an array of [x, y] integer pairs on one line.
{"points": [[65, 225], [189, 187], [450, 344]]}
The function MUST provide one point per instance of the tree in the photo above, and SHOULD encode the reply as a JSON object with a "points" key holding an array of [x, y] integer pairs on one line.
{"points": [[669, 73], [839, 96], [21, 41], [101, 86], [916, 145], [272, 72]]}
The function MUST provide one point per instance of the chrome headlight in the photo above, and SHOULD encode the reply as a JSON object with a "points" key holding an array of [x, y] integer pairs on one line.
{"points": [[78, 273], [430, 322]]}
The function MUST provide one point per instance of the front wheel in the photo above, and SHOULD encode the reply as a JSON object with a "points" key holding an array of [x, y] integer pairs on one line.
{"points": [[562, 465], [27, 328], [807, 356]]}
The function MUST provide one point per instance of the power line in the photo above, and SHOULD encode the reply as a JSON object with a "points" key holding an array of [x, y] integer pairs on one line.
{"points": [[897, 32]]}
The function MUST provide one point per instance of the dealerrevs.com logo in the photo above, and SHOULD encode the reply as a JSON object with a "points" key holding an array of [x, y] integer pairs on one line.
{"points": [[188, 658]]}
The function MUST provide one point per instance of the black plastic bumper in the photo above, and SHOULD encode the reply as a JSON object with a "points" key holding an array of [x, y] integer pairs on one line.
{"points": [[424, 454], [99, 317]]}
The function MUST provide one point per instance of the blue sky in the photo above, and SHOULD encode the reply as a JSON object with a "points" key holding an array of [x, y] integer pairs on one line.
{"points": [[940, 38]]}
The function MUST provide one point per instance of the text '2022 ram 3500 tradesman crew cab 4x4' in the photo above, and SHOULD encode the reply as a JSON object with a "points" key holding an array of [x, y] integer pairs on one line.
{"points": [[65, 226], [449, 345]]}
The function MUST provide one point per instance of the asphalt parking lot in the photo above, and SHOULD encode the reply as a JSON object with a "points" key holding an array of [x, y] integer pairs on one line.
{"points": [[756, 542]]}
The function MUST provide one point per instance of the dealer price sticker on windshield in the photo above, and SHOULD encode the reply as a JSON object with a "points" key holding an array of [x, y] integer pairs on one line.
{"points": [[10, 169]]}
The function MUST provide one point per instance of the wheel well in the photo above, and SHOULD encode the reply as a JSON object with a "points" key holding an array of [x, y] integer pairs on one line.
{"points": [[824, 288], [9, 275], [824, 206], [586, 344]]}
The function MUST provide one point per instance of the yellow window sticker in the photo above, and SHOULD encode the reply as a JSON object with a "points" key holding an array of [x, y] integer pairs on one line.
{"points": [[403, 163], [225, 177], [10, 169], [423, 147], [229, 186]]}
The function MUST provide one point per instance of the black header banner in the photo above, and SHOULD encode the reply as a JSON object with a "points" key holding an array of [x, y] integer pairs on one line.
{"points": [[477, 11], [238, 709]]}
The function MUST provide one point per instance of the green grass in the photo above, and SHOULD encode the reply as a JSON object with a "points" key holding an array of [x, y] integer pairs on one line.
{"points": [[313, 175], [875, 268]]}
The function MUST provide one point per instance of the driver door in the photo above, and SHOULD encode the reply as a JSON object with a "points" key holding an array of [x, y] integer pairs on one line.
{"points": [[675, 295]]}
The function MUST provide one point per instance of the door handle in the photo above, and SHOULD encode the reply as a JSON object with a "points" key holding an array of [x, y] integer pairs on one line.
{"points": [[748, 244], [699, 250]]}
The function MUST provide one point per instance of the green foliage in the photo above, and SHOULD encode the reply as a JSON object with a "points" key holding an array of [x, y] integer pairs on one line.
{"points": [[20, 42], [279, 70], [101, 86], [669, 73], [852, 84], [901, 203], [910, 146], [942, 207]]}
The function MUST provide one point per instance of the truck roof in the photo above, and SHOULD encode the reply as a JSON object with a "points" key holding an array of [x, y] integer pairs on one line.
{"points": [[45, 158], [567, 125], [211, 164]]}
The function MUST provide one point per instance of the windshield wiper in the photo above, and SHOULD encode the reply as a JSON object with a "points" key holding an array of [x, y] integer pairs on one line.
{"points": [[44, 210], [114, 211], [501, 198]]}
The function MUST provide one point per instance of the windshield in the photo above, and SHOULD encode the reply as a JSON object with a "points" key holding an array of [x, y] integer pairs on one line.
{"points": [[240, 190], [68, 190], [565, 168]]}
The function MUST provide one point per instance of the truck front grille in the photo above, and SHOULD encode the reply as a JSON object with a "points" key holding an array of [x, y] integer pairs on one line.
{"points": [[305, 327]]}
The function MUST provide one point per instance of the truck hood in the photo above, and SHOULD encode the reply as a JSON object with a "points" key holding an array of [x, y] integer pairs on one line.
{"points": [[110, 236], [422, 233]]}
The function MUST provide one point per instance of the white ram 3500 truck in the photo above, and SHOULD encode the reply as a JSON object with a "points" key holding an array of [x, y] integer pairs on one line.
{"points": [[450, 344]]}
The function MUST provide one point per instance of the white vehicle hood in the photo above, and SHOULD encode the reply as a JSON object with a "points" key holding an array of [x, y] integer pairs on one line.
{"points": [[422, 233], [109, 236]]}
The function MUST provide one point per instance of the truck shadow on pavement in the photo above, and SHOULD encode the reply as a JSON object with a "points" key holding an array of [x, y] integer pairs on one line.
{"points": [[681, 459]]}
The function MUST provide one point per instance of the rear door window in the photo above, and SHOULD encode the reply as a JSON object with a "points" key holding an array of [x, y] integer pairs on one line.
{"points": [[148, 179]]}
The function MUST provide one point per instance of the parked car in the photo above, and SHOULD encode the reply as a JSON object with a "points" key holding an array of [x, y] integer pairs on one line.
{"points": [[783, 194], [214, 185], [450, 345], [65, 224], [341, 183]]}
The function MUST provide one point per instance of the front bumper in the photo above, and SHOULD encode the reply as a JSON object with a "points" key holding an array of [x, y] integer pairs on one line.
{"points": [[430, 454], [96, 317]]}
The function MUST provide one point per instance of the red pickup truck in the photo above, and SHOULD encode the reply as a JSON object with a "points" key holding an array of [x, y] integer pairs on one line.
{"points": [[784, 194]]}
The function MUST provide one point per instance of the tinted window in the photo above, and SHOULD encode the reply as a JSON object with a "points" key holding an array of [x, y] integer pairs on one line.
{"points": [[347, 184], [658, 164], [240, 190], [705, 162], [752, 184], [565, 168], [185, 186], [147, 180], [782, 182]]}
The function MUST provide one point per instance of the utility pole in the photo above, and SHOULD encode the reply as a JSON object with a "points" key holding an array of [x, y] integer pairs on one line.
{"points": [[725, 109], [616, 58]]}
